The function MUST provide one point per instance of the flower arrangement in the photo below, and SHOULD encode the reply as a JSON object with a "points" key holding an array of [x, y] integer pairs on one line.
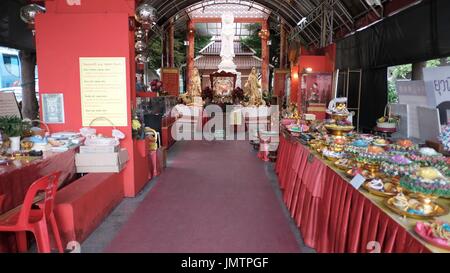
{"points": [[136, 127], [398, 165], [267, 97], [156, 86], [238, 94], [445, 137], [207, 93]]}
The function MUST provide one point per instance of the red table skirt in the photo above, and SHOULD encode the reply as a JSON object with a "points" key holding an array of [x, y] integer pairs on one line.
{"points": [[333, 216]]}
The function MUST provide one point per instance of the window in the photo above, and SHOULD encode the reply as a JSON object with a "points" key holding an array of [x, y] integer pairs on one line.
{"points": [[11, 64]]}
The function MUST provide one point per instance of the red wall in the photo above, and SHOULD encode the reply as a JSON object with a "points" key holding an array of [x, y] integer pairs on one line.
{"points": [[320, 60], [91, 6], [99, 28]]}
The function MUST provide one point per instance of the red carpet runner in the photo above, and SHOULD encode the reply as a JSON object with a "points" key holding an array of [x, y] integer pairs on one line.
{"points": [[214, 197]]}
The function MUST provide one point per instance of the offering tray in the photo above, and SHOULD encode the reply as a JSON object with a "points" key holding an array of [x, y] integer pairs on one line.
{"points": [[386, 189], [436, 233], [435, 209], [332, 155], [344, 164], [339, 130]]}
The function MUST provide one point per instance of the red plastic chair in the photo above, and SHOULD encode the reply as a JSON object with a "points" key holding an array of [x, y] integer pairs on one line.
{"points": [[35, 220]]}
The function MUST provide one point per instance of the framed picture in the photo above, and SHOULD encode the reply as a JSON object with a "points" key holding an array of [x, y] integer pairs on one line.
{"points": [[223, 83], [53, 108]]}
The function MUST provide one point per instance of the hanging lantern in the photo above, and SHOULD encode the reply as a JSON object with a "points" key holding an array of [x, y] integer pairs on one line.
{"points": [[140, 46], [139, 34], [145, 13], [28, 13]]}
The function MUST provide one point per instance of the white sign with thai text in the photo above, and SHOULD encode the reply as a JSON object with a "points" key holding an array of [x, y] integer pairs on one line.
{"points": [[437, 83]]}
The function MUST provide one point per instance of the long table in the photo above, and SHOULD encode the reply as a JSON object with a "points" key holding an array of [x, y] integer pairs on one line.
{"points": [[16, 178], [332, 215]]}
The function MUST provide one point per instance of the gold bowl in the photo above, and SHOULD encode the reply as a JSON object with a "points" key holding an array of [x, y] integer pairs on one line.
{"points": [[337, 130], [339, 117]]}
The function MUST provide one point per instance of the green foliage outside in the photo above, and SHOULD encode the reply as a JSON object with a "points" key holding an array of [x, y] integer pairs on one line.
{"points": [[155, 51], [254, 42], [403, 72], [201, 42]]}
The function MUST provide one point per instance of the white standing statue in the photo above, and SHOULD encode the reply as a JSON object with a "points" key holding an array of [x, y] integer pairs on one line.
{"points": [[227, 50]]}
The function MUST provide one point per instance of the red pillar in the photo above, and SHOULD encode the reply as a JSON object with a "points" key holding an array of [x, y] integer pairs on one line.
{"points": [[191, 49], [295, 79], [265, 57], [63, 35]]}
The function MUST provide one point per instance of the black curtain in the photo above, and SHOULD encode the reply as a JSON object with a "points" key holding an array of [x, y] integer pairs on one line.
{"points": [[373, 97], [417, 34]]}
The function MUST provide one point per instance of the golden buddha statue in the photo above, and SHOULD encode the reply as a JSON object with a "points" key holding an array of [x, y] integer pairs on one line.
{"points": [[193, 96], [195, 84], [252, 90]]}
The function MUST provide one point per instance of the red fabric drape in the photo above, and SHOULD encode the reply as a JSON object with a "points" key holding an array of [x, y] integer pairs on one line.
{"points": [[331, 215]]}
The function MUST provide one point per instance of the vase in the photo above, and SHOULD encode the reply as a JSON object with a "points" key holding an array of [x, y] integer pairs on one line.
{"points": [[15, 143]]}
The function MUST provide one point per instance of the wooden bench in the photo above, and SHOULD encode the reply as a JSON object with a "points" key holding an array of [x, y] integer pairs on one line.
{"points": [[82, 206]]}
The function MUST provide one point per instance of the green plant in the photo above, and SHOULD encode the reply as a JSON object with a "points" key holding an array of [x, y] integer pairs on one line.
{"points": [[13, 126]]}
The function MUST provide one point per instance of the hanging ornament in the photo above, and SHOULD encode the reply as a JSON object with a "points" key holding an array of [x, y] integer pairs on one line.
{"points": [[28, 13], [141, 58], [145, 13], [139, 34], [140, 46], [264, 34]]}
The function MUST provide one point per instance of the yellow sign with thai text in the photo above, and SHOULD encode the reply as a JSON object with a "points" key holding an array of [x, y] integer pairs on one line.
{"points": [[103, 85]]}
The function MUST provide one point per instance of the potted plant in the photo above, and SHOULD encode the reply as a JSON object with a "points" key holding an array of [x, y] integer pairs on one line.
{"points": [[13, 127]]}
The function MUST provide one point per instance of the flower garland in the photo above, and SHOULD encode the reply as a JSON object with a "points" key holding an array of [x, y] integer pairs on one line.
{"points": [[398, 165], [438, 187]]}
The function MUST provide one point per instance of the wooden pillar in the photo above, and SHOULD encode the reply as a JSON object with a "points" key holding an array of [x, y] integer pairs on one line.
{"points": [[171, 44], [164, 58], [283, 45], [265, 58], [30, 107], [191, 49]]}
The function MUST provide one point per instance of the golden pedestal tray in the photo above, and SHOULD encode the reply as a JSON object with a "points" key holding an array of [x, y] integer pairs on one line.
{"points": [[338, 130], [378, 193]]}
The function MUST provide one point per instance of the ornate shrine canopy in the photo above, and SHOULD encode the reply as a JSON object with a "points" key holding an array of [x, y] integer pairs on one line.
{"points": [[241, 10]]}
